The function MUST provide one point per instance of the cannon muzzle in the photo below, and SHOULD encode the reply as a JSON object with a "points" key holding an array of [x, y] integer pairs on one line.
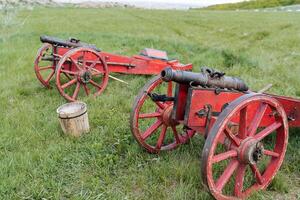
{"points": [[208, 78]]}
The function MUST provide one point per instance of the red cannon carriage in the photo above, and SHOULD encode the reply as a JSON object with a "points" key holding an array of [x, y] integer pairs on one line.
{"points": [[77, 65], [246, 132]]}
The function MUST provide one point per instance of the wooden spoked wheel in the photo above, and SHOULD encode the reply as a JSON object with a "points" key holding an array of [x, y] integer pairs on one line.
{"points": [[151, 122], [245, 147], [81, 70], [44, 64]]}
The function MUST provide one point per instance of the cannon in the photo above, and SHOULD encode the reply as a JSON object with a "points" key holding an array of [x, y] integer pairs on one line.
{"points": [[246, 132], [78, 66], [71, 43], [208, 78]]}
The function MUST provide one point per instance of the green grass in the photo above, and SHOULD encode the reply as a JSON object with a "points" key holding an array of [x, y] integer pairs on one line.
{"points": [[37, 161], [253, 4]]}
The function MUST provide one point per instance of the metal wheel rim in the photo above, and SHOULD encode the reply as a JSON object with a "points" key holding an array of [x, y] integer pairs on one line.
{"points": [[37, 68], [134, 125], [211, 142], [101, 86]]}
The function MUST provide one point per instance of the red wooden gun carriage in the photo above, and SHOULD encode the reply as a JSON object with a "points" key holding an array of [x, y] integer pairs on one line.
{"points": [[77, 65], [246, 132]]}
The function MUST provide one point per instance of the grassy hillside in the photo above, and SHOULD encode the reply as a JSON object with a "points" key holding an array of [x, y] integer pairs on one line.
{"points": [[37, 161], [253, 4]]}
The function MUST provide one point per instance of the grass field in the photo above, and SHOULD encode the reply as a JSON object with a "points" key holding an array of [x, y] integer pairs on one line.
{"points": [[38, 162], [253, 4]]}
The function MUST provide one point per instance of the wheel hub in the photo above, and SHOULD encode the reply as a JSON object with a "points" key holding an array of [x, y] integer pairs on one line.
{"points": [[251, 151], [86, 76], [258, 153], [167, 116]]}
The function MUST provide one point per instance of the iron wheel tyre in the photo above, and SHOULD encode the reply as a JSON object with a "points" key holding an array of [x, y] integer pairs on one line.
{"points": [[250, 149]]}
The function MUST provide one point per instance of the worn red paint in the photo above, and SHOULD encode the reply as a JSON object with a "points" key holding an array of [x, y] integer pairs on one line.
{"points": [[238, 121], [149, 62]]}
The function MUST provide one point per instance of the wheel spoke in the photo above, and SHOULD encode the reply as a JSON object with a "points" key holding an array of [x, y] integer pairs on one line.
{"points": [[256, 173], [75, 94], [92, 65], [257, 118], [239, 180], [149, 115], [57, 55], [68, 77], [169, 92], [69, 72], [83, 60], [224, 156], [176, 135], [170, 89], [271, 153], [68, 84], [224, 178], [159, 104], [95, 84], [50, 76], [243, 124], [151, 129], [97, 71], [45, 68], [261, 135], [232, 137], [86, 89], [161, 137], [75, 63]]}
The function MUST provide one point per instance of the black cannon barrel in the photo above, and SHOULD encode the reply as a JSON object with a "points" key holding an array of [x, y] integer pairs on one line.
{"points": [[66, 43], [203, 79]]}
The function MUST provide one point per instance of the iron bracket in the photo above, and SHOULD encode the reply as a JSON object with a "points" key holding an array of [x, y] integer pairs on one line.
{"points": [[160, 97]]}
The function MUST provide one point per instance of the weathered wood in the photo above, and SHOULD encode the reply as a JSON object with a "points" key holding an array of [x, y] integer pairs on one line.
{"points": [[73, 118]]}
